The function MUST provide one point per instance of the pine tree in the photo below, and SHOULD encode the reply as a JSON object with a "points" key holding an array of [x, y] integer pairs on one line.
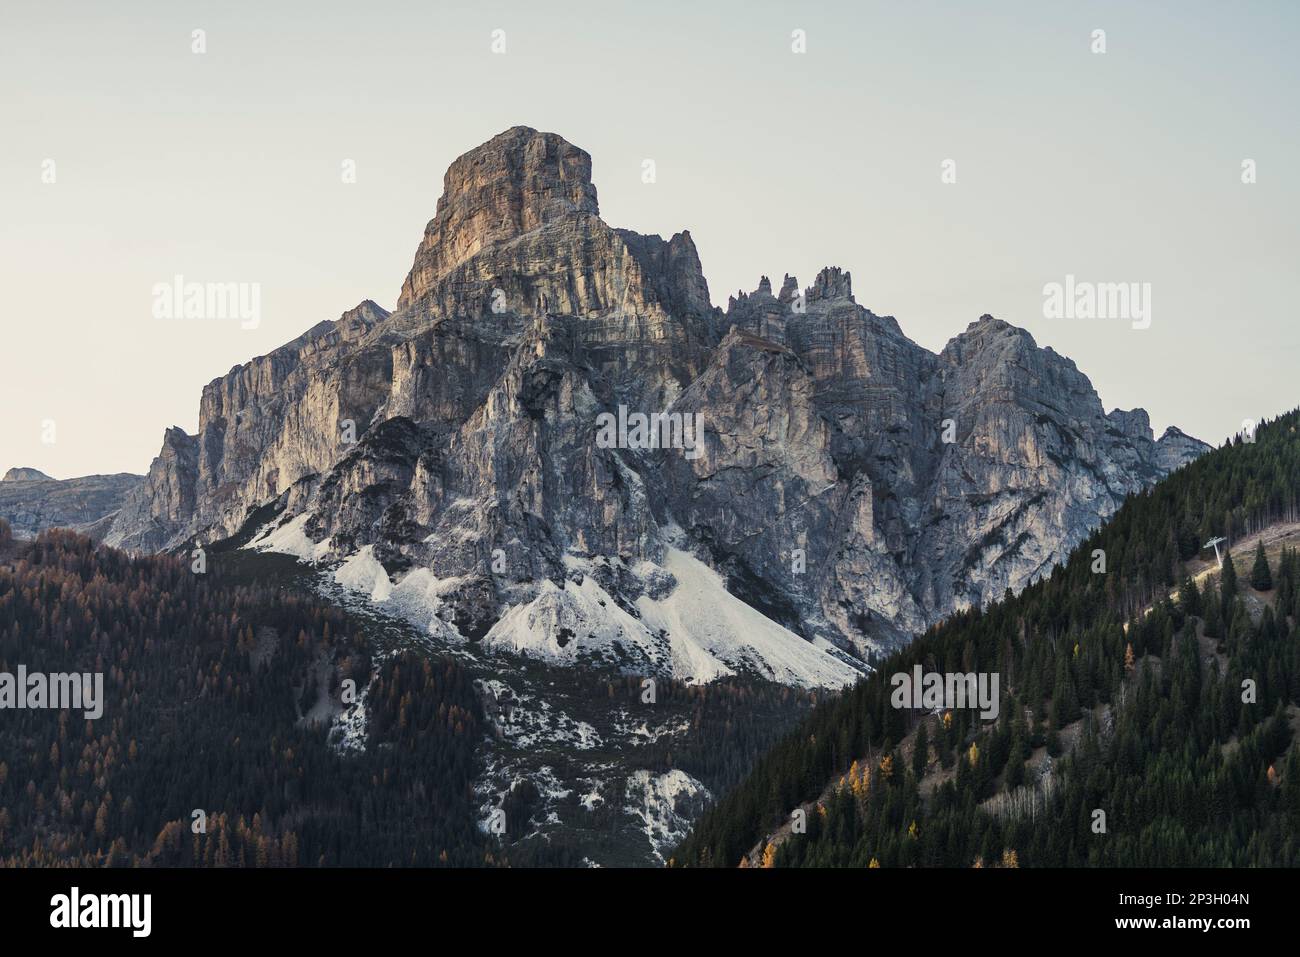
{"points": [[1228, 581], [1261, 576], [1213, 622]]}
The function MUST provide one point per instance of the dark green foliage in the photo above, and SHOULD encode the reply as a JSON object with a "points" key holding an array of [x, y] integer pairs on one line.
{"points": [[1261, 577], [205, 681], [1228, 580]]}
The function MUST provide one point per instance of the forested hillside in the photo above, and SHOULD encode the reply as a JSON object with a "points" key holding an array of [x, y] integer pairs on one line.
{"points": [[1144, 719], [206, 684], [222, 691]]}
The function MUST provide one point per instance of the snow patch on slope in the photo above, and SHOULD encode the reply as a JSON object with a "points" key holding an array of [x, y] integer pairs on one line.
{"points": [[364, 574], [666, 804], [684, 623], [714, 625], [528, 721], [697, 632], [582, 621], [350, 727], [290, 538]]}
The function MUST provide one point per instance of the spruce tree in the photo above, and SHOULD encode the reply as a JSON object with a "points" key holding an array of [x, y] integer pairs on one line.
{"points": [[1261, 576], [1228, 581]]}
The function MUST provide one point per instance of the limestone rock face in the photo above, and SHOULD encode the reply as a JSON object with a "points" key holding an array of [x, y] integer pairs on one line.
{"points": [[961, 475], [792, 529], [31, 501], [517, 182], [158, 509], [849, 484], [1175, 448], [26, 475]]}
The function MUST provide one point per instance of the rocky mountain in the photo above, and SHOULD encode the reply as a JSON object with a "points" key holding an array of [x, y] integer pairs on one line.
{"points": [[1176, 448], [1096, 687], [843, 487], [31, 501], [26, 475]]}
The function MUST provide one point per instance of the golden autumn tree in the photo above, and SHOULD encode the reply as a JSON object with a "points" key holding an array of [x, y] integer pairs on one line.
{"points": [[861, 781], [1129, 660]]}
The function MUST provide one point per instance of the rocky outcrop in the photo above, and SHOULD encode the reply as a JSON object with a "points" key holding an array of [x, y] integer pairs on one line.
{"points": [[26, 475], [1175, 448], [158, 510], [959, 475], [31, 501], [848, 483], [516, 183]]}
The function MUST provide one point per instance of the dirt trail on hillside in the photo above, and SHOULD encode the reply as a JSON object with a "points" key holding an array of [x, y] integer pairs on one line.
{"points": [[1275, 537]]}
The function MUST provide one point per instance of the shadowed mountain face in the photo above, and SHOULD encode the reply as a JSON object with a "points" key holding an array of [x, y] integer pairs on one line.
{"points": [[847, 483], [31, 501]]}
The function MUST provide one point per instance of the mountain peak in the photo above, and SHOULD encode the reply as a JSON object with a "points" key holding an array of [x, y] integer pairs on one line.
{"points": [[1175, 448], [514, 183], [987, 323], [990, 333], [26, 475], [1135, 423], [831, 283]]}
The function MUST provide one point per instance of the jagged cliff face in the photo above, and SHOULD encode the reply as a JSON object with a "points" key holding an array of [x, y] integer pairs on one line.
{"points": [[847, 483], [31, 501], [956, 476]]}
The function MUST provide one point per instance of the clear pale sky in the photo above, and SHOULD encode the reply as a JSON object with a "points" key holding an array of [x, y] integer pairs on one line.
{"points": [[225, 167]]}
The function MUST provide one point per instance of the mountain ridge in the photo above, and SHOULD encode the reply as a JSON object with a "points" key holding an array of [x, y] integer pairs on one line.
{"points": [[32, 501], [909, 483]]}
